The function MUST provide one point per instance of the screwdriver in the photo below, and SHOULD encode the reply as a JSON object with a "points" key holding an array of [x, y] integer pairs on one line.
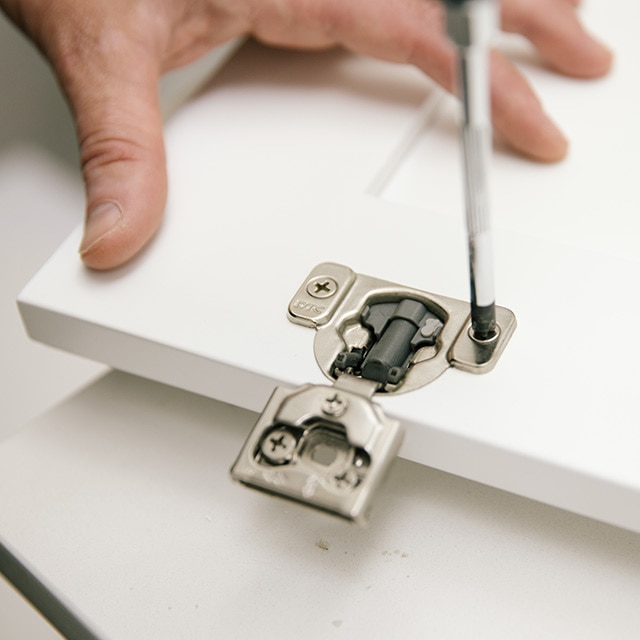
{"points": [[470, 25]]}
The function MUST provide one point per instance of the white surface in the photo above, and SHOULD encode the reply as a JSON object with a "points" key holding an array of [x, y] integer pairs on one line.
{"points": [[119, 501], [289, 160], [40, 201], [590, 200], [19, 620], [481, 563], [33, 377]]}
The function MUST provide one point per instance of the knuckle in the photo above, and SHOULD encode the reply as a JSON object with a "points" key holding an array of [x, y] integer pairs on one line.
{"points": [[101, 149]]}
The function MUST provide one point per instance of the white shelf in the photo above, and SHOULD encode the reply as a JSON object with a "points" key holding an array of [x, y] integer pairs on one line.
{"points": [[276, 167]]}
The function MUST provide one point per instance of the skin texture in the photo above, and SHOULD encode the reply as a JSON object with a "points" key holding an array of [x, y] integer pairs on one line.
{"points": [[91, 45]]}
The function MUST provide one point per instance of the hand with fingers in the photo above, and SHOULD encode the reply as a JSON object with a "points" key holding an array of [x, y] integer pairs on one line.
{"points": [[109, 55]]}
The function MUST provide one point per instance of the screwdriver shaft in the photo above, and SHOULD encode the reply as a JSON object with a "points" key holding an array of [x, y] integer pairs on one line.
{"points": [[470, 25]]}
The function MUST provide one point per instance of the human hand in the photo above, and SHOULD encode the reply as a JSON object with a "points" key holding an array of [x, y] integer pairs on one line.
{"points": [[109, 55]]}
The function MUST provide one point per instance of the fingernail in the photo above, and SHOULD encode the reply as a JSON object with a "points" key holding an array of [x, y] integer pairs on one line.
{"points": [[101, 220]]}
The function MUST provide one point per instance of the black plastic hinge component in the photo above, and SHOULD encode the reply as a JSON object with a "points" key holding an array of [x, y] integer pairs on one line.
{"points": [[398, 329]]}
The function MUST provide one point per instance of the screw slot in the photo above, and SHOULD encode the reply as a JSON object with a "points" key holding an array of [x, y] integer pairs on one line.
{"points": [[334, 405], [322, 287], [278, 447]]}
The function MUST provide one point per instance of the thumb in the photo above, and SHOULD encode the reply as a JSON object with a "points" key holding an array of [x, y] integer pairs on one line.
{"points": [[113, 93]]}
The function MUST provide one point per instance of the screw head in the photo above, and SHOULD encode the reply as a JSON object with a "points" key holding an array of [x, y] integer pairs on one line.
{"points": [[346, 480], [322, 287], [334, 405], [278, 446]]}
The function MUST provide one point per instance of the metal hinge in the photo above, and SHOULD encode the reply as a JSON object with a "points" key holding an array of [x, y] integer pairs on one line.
{"points": [[329, 446]]}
